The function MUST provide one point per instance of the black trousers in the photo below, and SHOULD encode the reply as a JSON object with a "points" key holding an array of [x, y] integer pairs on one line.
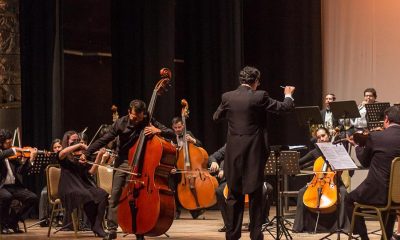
{"points": [[235, 208], [10, 192]]}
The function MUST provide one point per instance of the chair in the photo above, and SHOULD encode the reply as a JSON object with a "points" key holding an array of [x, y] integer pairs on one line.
{"points": [[104, 181], [105, 178], [375, 211], [53, 173]]}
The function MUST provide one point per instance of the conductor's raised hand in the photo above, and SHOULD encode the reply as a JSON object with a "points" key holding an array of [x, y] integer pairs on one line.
{"points": [[289, 90]]}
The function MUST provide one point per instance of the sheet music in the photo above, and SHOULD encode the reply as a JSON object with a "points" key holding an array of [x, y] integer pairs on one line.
{"points": [[337, 156]]}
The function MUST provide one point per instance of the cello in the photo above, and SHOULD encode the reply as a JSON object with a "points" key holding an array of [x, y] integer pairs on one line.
{"points": [[147, 204], [196, 189], [321, 193]]}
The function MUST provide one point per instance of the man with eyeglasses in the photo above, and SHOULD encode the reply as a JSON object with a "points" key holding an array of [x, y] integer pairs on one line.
{"points": [[369, 97]]}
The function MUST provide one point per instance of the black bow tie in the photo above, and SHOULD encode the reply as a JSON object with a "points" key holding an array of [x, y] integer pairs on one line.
{"points": [[328, 110]]}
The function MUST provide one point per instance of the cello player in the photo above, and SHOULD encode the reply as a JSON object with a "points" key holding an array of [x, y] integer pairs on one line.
{"points": [[178, 126], [305, 220], [128, 129]]}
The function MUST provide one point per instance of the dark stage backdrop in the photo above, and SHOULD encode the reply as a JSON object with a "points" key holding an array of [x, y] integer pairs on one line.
{"points": [[283, 39], [142, 43], [205, 43]]}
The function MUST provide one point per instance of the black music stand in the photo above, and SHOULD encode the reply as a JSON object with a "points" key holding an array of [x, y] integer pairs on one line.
{"points": [[338, 230], [309, 115], [375, 114], [280, 163], [345, 110], [42, 160]]}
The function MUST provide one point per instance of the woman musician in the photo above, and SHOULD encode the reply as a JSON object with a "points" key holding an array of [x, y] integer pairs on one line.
{"points": [[305, 220], [76, 187]]}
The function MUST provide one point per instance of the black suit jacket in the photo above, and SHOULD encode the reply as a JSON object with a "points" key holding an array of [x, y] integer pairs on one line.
{"points": [[247, 139], [127, 134], [335, 122], [381, 148], [18, 168], [198, 142]]}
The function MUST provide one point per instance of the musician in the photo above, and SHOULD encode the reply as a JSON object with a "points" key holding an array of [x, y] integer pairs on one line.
{"points": [[246, 109], [128, 129], [369, 97], [11, 186], [329, 121], [216, 162], [305, 220], [380, 149], [178, 127], [44, 200], [76, 187]]}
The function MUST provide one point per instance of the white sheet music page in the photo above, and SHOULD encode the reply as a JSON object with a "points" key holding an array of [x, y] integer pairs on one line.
{"points": [[337, 156]]}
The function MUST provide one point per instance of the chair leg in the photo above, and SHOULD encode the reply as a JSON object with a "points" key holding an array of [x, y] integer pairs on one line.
{"points": [[75, 221], [51, 219], [353, 218], [382, 225], [25, 229]]}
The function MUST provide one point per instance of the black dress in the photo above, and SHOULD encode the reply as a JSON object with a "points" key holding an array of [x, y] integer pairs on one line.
{"points": [[76, 189]]}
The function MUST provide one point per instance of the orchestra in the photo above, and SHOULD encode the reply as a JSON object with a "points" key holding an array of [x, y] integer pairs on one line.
{"points": [[159, 171]]}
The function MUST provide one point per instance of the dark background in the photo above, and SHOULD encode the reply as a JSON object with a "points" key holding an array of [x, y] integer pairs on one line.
{"points": [[80, 57]]}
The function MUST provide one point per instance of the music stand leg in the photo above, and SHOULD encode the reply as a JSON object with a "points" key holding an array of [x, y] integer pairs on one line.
{"points": [[338, 230], [280, 224]]}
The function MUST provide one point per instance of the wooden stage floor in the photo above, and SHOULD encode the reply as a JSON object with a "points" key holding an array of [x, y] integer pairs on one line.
{"points": [[204, 228]]}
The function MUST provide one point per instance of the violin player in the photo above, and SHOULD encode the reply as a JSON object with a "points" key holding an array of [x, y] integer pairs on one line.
{"points": [[76, 187], [378, 153], [11, 185], [128, 129]]}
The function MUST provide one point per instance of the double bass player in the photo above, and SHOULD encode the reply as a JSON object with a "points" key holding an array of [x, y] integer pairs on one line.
{"points": [[128, 129]]}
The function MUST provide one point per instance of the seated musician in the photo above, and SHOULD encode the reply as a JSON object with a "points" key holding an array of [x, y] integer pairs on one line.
{"points": [[11, 187], [216, 165], [305, 220], [178, 126], [369, 97], [76, 188], [377, 154]]}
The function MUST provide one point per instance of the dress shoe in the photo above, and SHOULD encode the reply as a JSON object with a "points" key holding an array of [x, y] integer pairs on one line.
{"points": [[100, 233], [5, 231], [15, 228], [112, 234], [139, 237], [395, 236], [177, 214], [223, 229], [195, 214]]}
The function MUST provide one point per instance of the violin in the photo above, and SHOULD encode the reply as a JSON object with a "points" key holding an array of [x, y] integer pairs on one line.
{"points": [[361, 137], [24, 152]]}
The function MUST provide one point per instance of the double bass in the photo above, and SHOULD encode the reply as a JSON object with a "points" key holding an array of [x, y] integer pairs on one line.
{"points": [[147, 204], [196, 190]]}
